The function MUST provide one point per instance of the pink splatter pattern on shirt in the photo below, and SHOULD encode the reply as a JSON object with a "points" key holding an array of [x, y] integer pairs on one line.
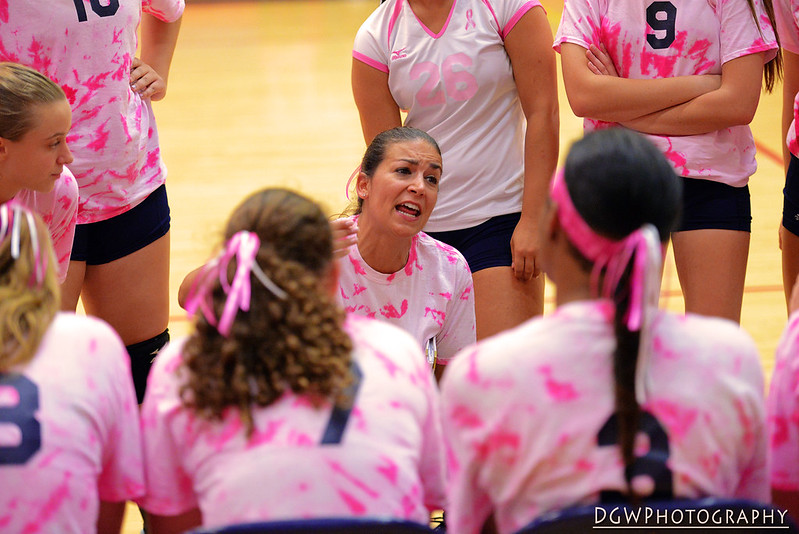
{"points": [[58, 496], [557, 391], [463, 416], [390, 312], [676, 418]]}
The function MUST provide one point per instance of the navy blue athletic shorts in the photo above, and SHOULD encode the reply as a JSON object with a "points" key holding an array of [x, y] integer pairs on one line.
{"points": [[790, 202], [709, 205], [106, 241], [485, 245]]}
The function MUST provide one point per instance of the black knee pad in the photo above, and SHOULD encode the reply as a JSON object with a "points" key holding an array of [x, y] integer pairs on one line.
{"points": [[142, 355]]}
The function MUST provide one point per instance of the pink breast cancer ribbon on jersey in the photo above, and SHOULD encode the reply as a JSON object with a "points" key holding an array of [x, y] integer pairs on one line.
{"points": [[469, 19], [244, 247], [11, 214], [610, 261]]}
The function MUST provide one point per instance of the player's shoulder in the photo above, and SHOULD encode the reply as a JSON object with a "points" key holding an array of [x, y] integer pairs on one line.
{"points": [[365, 329], [705, 331], [371, 337], [712, 343], [82, 329], [66, 185]]}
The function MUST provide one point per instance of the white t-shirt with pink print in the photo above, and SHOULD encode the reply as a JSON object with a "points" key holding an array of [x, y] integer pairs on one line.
{"points": [[431, 297], [783, 410], [523, 413], [786, 13], [59, 210], [387, 461], [458, 86], [650, 39], [87, 48], [69, 432]]}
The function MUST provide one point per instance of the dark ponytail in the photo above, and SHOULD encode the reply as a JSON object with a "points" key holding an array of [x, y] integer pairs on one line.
{"points": [[618, 181]]}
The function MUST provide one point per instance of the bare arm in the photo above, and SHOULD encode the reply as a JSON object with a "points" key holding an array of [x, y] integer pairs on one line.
{"points": [[174, 524], [149, 74], [790, 86], [375, 104], [789, 500], [614, 99], [732, 104], [529, 46], [109, 519]]}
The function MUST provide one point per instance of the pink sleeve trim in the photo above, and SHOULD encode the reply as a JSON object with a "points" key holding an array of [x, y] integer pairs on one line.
{"points": [[518, 15], [369, 61], [568, 39]]}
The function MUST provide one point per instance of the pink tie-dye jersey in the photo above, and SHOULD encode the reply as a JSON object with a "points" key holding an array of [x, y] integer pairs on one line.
{"points": [[431, 297], [389, 461], [59, 210], [786, 13], [76, 398], [783, 410], [523, 412], [87, 48], [649, 39], [458, 86]]}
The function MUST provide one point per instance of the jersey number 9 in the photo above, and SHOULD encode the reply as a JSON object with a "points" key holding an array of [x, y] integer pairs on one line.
{"points": [[661, 17]]}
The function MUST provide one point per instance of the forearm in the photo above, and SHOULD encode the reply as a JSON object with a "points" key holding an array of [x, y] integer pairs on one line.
{"points": [[158, 41], [541, 146], [614, 99], [790, 86], [732, 104]]}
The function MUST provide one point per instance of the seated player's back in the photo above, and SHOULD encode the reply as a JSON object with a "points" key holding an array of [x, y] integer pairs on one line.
{"points": [[69, 434], [532, 411], [385, 459]]}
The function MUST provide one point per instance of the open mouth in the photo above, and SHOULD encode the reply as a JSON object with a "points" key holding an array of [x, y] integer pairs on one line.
{"points": [[411, 210]]}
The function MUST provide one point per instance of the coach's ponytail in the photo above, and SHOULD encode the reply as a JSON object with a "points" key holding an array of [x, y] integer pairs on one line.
{"points": [[289, 336]]}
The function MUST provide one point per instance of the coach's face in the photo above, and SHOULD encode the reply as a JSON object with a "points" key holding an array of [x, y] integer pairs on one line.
{"points": [[402, 192]]}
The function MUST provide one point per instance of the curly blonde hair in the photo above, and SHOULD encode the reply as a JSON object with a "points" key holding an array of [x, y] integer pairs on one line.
{"points": [[294, 344], [26, 308]]}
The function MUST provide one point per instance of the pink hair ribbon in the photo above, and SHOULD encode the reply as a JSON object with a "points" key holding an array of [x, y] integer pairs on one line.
{"points": [[11, 214], [244, 247], [352, 177], [610, 259]]}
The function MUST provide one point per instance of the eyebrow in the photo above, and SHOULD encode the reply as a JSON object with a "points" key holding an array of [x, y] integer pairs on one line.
{"points": [[416, 162]]}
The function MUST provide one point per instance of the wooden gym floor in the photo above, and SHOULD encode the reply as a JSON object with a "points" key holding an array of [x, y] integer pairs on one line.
{"points": [[259, 95]]}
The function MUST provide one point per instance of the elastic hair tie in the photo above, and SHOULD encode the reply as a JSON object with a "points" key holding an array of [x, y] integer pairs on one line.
{"points": [[244, 246], [610, 259], [11, 215]]}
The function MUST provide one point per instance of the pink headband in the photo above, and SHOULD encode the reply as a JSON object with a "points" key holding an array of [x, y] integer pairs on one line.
{"points": [[244, 246], [611, 259], [11, 214]]}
